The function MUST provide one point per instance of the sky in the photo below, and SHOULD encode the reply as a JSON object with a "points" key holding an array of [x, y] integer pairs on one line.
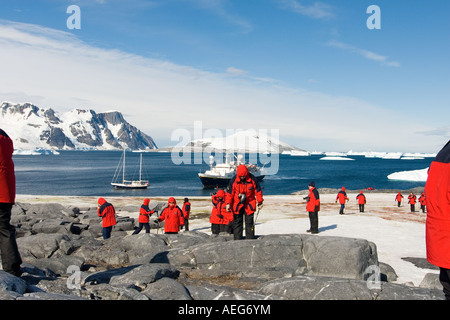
{"points": [[317, 71]]}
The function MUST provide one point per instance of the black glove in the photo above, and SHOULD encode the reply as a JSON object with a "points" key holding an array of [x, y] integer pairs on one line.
{"points": [[316, 209]]}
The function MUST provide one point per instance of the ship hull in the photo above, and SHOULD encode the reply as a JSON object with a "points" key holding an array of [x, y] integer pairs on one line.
{"points": [[219, 182], [128, 186]]}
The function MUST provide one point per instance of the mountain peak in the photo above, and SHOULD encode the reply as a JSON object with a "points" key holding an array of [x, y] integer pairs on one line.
{"points": [[80, 129]]}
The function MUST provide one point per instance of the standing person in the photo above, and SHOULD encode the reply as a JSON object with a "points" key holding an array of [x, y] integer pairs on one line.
{"points": [[186, 211], [422, 202], [243, 195], [108, 213], [144, 217], [399, 199], [313, 208], [10, 255], [361, 201], [412, 201], [342, 196], [221, 220], [173, 216], [437, 190]]}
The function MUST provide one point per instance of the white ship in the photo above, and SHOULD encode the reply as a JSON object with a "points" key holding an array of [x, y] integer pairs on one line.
{"points": [[219, 175]]}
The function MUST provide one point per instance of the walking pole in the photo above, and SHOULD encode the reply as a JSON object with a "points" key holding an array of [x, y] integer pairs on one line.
{"points": [[256, 218]]}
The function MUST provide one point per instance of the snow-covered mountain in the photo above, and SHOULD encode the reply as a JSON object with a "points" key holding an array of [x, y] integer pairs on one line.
{"points": [[32, 128], [250, 141]]}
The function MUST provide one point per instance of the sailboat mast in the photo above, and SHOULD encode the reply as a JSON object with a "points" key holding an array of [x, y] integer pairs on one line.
{"points": [[123, 171], [140, 168]]}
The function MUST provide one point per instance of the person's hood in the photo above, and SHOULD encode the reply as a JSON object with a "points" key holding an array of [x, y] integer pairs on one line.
{"points": [[146, 202], [101, 201], [242, 170], [220, 194], [172, 199]]}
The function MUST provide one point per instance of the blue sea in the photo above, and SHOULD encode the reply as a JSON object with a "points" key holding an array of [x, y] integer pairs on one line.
{"points": [[89, 173]]}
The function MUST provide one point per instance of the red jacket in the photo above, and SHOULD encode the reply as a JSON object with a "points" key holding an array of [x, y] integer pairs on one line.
{"points": [[173, 216], [342, 196], [412, 199], [422, 199], [249, 187], [437, 193], [399, 197], [186, 209], [219, 213], [313, 200], [145, 212], [107, 212], [7, 176], [361, 198]]}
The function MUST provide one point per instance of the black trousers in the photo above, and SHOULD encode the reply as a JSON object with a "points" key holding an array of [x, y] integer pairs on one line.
{"points": [[238, 225], [142, 225], [444, 278], [361, 208], [314, 221], [11, 259]]}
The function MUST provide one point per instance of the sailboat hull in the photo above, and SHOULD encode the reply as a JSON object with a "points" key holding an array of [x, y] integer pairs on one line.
{"points": [[129, 186]]}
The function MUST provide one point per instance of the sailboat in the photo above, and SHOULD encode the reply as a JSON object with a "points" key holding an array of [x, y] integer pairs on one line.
{"points": [[128, 184]]}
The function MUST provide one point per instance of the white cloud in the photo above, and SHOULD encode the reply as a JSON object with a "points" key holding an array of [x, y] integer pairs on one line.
{"points": [[55, 69], [318, 10], [383, 60]]}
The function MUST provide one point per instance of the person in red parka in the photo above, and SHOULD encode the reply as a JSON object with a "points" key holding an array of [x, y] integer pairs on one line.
{"points": [[342, 196], [437, 191], [144, 217], [422, 201], [221, 219], [173, 217], [361, 201], [108, 213], [242, 196], [313, 207], [186, 211], [412, 201], [10, 255], [399, 198]]}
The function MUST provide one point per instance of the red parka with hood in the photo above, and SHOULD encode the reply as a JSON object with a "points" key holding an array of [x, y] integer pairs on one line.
{"points": [[412, 199], [313, 202], [219, 213], [342, 196], [186, 209], [437, 193], [145, 212], [7, 176], [249, 187], [173, 216], [361, 198], [107, 212]]}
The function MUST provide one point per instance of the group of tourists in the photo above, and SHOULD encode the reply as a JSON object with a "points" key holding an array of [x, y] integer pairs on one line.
{"points": [[232, 208], [412, 198], [175, 217]]}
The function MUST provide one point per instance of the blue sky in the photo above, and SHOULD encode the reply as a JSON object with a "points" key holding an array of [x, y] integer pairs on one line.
{"points": [[311, 69]]}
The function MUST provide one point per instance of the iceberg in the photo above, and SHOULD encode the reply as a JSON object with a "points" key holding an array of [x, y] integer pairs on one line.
{"points": [[335, 158], [411, 175]]}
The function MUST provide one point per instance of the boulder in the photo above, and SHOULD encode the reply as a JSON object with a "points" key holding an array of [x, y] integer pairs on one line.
{"points": [[44, 246]]}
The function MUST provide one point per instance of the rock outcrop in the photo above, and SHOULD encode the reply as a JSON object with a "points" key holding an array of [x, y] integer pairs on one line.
{"points": [[65, 258]]}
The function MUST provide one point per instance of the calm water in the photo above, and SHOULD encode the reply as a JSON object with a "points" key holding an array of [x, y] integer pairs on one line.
{"points": [[78, 173]]}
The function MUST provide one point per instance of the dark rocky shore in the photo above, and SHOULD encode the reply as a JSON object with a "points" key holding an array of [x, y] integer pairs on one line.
{"points": [[65, 258]]}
